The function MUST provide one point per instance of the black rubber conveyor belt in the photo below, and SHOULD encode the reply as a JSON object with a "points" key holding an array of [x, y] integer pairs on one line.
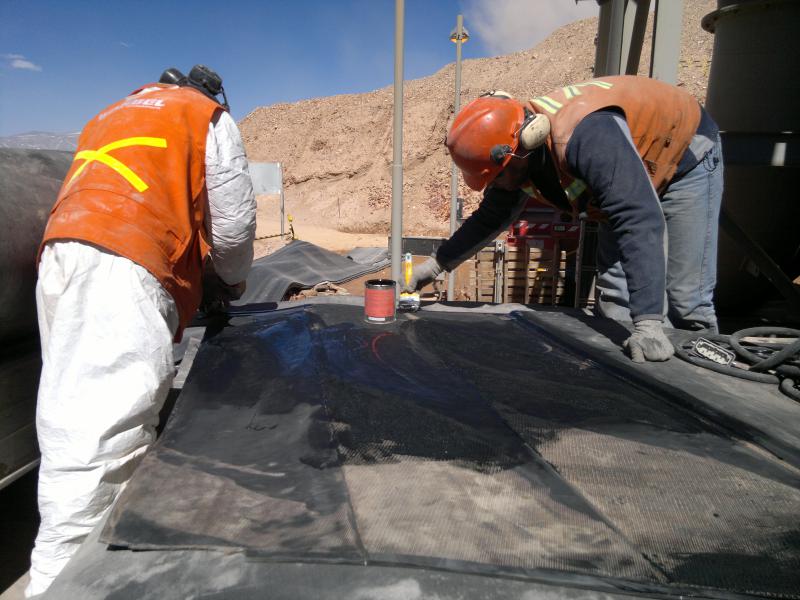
{"points": [[301, 265], [456, 442]]}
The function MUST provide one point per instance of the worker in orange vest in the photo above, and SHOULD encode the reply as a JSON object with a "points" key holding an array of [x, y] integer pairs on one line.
{"points": [[645, 152], [159, 187]]}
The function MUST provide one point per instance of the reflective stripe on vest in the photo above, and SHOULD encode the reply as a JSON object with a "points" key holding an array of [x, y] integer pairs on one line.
{"points": [[102, 156], [546, 103], [575, 189]]}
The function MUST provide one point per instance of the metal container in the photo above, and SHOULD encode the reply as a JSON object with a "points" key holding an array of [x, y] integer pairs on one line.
{"points": [[379, 300], [752, 95]]}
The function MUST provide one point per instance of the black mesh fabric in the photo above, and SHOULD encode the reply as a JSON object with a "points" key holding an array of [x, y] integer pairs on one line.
{"points": [[455, 441], [247, 459]]}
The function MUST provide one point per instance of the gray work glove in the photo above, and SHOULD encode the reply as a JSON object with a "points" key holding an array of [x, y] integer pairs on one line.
{"points": [[648, 342], [422, 275]]}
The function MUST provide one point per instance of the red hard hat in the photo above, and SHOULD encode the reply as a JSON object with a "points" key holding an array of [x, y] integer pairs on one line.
{"points": [[487, 123]]}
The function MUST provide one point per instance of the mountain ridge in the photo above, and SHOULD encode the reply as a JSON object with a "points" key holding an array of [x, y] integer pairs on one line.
{"points": [[336, 151]]}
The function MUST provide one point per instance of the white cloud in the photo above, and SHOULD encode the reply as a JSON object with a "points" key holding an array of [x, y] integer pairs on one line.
{"points": [[126, 45], [18, 61], [506, 26]]}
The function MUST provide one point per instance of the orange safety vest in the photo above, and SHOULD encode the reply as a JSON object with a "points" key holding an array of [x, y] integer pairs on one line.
{"points": [[137, 188], [661, 117]]}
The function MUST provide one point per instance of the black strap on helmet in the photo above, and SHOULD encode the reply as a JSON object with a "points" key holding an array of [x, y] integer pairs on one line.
{"points": [[499, 152]]}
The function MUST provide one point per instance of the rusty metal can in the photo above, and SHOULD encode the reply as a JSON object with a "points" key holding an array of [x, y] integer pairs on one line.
{"points": [[379, 301]]}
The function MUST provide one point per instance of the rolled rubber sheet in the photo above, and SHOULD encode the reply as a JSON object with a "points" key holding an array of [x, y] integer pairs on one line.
{"points": [[471, 443], [300, 265]]}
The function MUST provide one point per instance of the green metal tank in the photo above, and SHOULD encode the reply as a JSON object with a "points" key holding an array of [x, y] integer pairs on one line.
{"points": [[754, 96]]}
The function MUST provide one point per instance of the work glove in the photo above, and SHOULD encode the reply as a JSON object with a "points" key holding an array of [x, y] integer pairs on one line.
{"points": [[218, 295], [648, 342], [422, 275]]}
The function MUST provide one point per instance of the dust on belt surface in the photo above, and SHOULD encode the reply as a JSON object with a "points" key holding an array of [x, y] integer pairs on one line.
{"points": [[453, 439]]}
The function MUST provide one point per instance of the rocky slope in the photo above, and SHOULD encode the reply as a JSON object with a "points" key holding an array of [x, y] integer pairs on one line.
{"points": [[337, 151]]}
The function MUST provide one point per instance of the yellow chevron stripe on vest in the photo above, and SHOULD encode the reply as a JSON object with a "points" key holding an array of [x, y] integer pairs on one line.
{"points": [[101, 155]]}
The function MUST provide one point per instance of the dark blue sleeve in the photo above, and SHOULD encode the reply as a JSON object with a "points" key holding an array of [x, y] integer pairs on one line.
{"points": [[497, 210], [603, 156]]}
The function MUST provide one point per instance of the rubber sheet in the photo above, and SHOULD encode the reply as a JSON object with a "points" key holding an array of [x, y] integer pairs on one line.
{"points": [[455, 441], [300, 265]]}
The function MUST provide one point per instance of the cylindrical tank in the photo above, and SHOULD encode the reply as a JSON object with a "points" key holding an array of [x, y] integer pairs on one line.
{"points": [[753, 93], [29, 184]]}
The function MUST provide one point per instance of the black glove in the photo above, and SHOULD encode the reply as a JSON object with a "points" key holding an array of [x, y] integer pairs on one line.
{"points": [[422, 275], [648, 342], [217, 295]]}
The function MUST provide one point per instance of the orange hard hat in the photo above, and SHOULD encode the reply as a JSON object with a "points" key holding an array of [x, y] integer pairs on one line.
{"points": [[484, 136]]}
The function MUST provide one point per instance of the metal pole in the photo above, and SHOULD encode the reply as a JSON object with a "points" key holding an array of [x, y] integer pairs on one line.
{"points": [[633, 35], [454, 170], [396, 249], [601, 41], [667, 25], [579, 261], [615, 38], [283, 217]]}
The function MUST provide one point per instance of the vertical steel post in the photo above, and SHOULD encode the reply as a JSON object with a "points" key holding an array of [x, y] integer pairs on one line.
{"points": [[609, 37], [454, 170], [283, 216], [616, 26], [667, 25], [608, 43], [579, 261], [601, 40], [396, 249], [633, 35]]}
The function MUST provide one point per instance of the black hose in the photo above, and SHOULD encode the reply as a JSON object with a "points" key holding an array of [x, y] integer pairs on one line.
{"points": [[783, 361], [777, 360], [789, 388]]}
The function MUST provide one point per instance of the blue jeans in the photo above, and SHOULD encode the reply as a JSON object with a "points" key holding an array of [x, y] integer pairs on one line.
{"points": [[691, 211]]}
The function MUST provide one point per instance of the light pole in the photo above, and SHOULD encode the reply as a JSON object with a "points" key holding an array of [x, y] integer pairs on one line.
{"points": [[458, 36], [396, 249]]}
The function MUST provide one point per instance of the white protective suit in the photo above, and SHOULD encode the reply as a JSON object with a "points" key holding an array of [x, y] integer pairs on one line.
{"points": [[106, 327]]}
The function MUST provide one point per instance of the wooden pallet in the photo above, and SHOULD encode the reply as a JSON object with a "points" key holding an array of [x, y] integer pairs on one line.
{"points": [[529, 276]]}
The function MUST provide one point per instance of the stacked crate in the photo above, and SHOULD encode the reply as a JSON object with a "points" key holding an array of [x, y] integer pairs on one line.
{"points": [[524, 275]]}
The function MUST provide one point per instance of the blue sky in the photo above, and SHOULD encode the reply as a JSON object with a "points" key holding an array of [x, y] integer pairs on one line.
{"points": [[62, 61]]}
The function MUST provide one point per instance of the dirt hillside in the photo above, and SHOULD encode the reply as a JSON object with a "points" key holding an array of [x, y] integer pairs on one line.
{"points": [[337, 151]]}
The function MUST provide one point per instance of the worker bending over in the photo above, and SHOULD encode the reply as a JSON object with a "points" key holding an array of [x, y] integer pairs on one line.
{"points": [[647, 155], [159, 184]]}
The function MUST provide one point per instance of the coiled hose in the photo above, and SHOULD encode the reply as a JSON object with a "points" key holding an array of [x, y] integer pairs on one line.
{"points": [[766, 363]]}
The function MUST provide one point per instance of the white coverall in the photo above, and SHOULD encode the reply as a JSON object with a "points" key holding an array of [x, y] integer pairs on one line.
{"points": [[106, 327]]}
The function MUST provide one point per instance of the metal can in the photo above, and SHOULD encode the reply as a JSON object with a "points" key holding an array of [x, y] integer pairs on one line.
{"points": [[379, 300]]}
